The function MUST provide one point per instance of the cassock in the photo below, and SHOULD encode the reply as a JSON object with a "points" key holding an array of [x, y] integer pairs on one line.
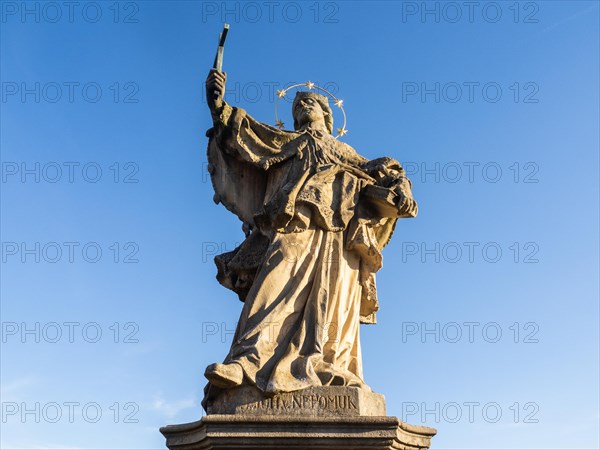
{"points": [[317, 216]]}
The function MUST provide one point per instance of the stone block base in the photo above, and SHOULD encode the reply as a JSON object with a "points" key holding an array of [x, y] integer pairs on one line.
{"points": [[321, 401], [270, 432]]}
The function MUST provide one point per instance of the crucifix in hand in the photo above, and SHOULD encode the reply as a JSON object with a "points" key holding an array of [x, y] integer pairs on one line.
{"points": [[218, 64]]}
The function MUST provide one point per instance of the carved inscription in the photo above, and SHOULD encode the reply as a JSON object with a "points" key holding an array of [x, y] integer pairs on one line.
{"points": [[293, 402]]}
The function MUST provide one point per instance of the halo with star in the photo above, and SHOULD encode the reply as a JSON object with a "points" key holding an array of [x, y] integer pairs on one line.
{"points": [[310, 85]]}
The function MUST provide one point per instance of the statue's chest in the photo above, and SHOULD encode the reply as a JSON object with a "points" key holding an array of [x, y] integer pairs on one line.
{"points": [[315, 151]]}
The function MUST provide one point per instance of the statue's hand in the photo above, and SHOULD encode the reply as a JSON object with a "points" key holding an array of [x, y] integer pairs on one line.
{"points": [[381, 166], [407, 206], [215, 88]]}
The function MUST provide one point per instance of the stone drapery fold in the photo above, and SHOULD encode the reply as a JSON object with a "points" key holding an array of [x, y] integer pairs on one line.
{"points": [[283, 182]]}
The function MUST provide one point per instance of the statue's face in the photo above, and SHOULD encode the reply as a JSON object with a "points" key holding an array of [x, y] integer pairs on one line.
{"points": [[307, 110]]}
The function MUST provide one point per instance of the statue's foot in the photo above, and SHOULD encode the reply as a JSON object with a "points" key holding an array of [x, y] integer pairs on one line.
{"points": [[225, 376]]}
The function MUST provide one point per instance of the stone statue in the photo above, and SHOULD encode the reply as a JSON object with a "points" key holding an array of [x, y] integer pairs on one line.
{"points": [[316, 216]]}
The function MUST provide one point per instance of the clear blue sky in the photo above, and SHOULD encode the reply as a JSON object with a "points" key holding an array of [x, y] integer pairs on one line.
{"points": [[493, 110]]}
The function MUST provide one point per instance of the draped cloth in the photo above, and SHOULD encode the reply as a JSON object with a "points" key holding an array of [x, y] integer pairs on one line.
{"points": [[306, 270]]}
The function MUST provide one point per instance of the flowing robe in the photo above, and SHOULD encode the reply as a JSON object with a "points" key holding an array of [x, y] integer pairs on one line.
{"points": [[306, 271]]}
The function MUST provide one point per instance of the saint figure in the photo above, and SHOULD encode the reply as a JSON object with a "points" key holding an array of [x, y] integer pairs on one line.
{"points": [[316, 216]]}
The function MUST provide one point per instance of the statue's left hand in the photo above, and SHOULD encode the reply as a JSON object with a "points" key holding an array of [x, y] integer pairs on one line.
{"points": [[407, 206]]}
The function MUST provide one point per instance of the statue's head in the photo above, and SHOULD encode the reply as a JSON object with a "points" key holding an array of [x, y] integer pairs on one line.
{"points": [[310, 107]]}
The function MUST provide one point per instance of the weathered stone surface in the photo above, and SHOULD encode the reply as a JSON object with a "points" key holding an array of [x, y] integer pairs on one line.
{"points": [[316, 215], [237, 432], [332, 401]]}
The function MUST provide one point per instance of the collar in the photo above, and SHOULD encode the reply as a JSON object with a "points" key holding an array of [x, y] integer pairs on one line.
{"points": [[313, 132]]}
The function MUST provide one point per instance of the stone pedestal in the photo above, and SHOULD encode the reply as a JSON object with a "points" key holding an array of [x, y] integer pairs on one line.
{"points": [[236, 432], [335, 401], [324, 418]]}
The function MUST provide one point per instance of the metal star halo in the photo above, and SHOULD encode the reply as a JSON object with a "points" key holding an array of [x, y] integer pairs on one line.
{"points": [[310, 85]]}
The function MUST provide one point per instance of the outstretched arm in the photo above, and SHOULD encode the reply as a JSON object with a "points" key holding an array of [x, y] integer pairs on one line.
{"points": [[238, 134]]}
